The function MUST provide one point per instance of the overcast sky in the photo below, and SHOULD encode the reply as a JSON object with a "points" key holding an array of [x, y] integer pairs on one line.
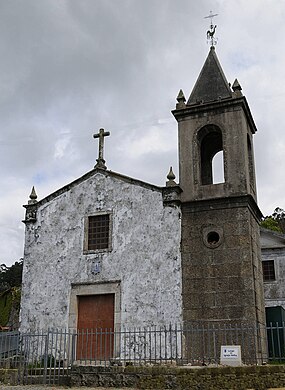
{"points": [[69, 67]]}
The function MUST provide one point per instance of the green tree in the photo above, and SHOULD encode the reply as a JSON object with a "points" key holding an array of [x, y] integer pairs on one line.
{"points": [[276, 221], [11, 276], [10, 294], [279, 216]]}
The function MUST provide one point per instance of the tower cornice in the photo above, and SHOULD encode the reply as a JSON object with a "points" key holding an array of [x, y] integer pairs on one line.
{"points": [[223, 204], [224, 104]]}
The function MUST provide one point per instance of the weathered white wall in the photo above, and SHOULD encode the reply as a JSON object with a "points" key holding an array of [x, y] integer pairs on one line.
{"points": [[145, 254], [274, 292], [273, 248]]}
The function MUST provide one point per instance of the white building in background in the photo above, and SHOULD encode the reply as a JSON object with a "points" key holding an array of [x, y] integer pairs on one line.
{"points": [[273, 264]]}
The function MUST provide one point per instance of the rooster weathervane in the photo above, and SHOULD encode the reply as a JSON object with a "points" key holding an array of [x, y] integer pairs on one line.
{"points": [[211, 32]]}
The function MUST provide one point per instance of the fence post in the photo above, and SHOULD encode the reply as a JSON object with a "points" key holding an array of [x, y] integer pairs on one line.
{"points": [[73, 346], [20, 361], [46, 357]]}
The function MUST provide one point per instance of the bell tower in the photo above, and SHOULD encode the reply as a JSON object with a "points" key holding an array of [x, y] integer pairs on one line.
{"points": [[221, 259]]}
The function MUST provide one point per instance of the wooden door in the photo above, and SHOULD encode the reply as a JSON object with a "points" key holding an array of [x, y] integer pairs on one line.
{"points": [[95, 327]]}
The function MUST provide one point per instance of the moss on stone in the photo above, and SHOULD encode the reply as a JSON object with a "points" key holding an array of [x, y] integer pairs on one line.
{"points": [[155, 382], [182, 378], [8, 376]]}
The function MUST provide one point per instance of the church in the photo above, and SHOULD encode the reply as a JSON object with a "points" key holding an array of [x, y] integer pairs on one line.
{"points": [[112, 251]]}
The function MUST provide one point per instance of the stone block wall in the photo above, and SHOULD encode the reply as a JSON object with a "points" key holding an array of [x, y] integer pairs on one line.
{"points": [[222, 280], [178, 378], [8, 376]]}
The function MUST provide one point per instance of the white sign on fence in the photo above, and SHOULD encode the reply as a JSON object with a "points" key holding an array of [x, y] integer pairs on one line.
{"points": [[231, 355]]}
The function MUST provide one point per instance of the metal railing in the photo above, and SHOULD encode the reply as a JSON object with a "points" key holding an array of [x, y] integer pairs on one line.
{"points": [[47, 356], [9, 343], [276, 342], [196, 344]]}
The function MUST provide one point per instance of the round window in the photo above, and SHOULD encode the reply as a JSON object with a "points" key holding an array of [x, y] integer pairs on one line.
{"points": [[212, 236]]}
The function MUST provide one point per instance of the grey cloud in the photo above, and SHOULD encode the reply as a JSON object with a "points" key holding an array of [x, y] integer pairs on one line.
{"points": [[70, 67]]}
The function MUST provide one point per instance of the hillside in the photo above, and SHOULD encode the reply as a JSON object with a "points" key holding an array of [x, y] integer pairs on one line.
{"points": [[10, 294]]}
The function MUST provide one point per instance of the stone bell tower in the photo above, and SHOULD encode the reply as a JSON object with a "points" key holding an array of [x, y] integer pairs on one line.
{"points": [[221, 264]]}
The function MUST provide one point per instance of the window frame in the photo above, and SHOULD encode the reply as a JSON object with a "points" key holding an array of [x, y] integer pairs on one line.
{"points": [[269, 280], [86, 250]]}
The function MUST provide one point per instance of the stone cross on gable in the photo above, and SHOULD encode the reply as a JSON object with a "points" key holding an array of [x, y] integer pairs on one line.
{"points": [[100, 160]]}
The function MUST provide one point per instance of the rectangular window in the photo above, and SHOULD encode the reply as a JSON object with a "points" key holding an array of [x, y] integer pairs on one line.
{"points": [[98, 232], [268, 270]]}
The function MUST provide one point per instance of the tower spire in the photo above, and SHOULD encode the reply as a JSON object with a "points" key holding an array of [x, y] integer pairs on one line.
{"points": [[211, 84]]}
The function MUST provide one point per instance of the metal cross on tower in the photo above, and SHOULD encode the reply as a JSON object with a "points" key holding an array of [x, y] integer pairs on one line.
{"points": [[211, 32], [100, 160]]}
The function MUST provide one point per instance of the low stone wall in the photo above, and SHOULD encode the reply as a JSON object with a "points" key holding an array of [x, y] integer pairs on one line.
{"points": [[8, 376], [179, 378]]}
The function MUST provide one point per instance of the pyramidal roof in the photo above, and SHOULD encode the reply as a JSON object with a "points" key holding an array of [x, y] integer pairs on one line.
{"points": [[211, 84]]}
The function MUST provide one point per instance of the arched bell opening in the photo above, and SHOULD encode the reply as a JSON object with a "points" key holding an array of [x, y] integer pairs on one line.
{"points": [[211, 155]]}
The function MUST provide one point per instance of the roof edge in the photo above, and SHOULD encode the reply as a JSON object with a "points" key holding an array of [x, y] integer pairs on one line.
{"points": [[273, 233], [86, 176]]}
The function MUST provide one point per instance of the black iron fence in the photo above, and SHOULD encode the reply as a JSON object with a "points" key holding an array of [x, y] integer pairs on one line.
{"points": [[48, 356]]}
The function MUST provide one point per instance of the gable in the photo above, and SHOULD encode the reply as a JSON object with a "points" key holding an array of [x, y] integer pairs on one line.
{"points": [[94, 173]]}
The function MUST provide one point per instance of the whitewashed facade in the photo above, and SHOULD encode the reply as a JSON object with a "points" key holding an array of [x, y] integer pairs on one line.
{"points": [[142, 266]]}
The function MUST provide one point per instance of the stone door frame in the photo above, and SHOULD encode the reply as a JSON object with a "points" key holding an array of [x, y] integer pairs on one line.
{"points": [[97, 288]]}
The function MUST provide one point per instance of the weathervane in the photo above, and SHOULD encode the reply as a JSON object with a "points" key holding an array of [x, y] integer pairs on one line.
{"points": [[211, 32]]}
